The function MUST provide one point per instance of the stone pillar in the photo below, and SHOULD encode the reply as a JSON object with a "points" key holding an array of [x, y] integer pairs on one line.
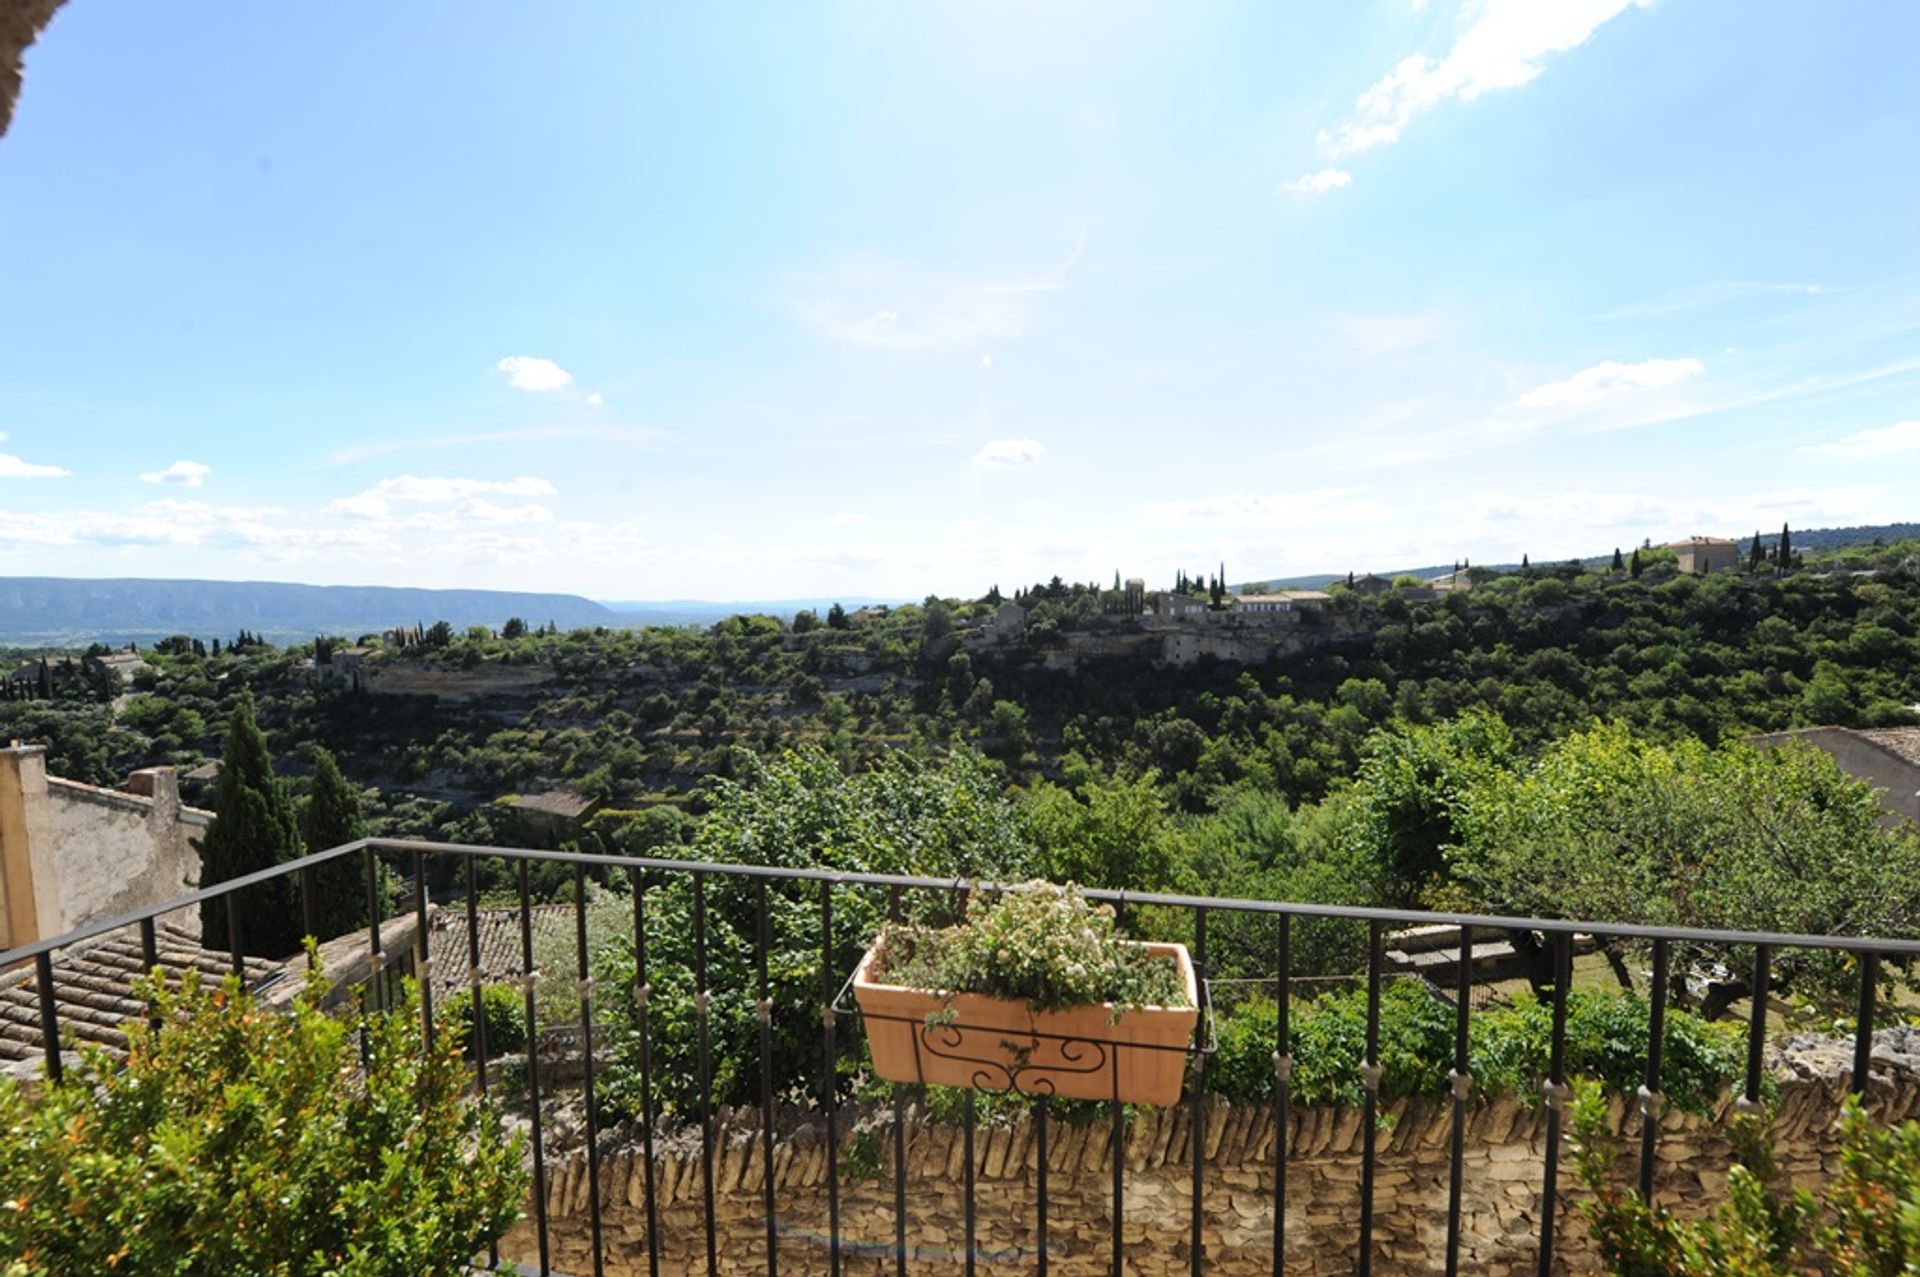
{"points": [[23, 828]]}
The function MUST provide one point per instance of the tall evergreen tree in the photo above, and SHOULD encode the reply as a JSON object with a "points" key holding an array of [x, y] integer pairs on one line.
{"points": [[332, 818], [1526, 567], [1633, 564], [1756, 553], [1783, 553], [1618, 562], [253, 829]]}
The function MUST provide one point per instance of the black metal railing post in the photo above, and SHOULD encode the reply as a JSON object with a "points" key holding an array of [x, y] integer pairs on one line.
{"points": [[49, 1016], [529, 982], [1762, 988], [896, 915], [376, 968], [1863, 1022], [1370, 1100], [584, 986], [1555, 1090], [423, 976], [236, 942], [1282, 1091], [702, 1006], [150, 966], [642, 997], [1651, 1098], [476, 991], [830, 1083], [1460, 1086], [308, 927], [762, 941], [1197, 1120]]}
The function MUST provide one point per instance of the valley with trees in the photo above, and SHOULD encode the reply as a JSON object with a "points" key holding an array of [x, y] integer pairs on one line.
{"points": [[1555, 741]]}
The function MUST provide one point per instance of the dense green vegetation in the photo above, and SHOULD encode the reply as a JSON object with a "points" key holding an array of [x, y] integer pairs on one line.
{"points": [[226, 1142], [1868, 1224], [637, 717], [1556, 742]]}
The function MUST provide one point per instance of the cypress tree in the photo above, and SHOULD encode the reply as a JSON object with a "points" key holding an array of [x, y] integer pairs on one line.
{"points": [[252, 829], [1756, 553], [1633, 564], [1784, 553], [1618, 562], [332, 818]]}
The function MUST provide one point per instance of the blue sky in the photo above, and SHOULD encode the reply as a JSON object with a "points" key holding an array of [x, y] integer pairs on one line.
{"points": [[883, 299]]}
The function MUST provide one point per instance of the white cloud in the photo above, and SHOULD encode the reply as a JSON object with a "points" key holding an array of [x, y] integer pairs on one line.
{"points": [[1503, 46], [186, 474], [850, 519], [528, 372], [1327, 179], [595, 399], [377, 502], [1882, 441], [12, 467], [1005, 454], [1590, 386]]}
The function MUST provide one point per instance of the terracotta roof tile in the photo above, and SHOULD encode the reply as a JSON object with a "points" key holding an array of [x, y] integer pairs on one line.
{"points": [[93, 987]]}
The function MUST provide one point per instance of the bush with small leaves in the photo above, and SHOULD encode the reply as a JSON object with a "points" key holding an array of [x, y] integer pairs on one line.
{"points": [[236, 1139]]}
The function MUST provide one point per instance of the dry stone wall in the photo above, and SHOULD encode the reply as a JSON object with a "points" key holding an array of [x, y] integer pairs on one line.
{"points": [[1504, 1148]]}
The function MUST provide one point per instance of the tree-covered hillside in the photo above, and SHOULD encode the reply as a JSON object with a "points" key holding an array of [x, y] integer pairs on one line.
{"points": [[635, 718]]}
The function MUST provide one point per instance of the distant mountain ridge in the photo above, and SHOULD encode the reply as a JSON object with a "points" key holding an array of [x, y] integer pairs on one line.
{"points": [[58, 610], [709, 612]]}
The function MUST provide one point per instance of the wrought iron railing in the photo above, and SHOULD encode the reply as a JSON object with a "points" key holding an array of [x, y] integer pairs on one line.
{"points": [[645, 874]]}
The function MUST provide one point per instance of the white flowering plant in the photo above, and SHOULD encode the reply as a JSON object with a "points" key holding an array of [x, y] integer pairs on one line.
{"points": [[1041, 943]]}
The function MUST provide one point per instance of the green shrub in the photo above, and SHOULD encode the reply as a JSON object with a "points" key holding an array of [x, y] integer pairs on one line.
{"points": [[506, 1020], [1508, 1052], [238, 1140], [1040, 943]]}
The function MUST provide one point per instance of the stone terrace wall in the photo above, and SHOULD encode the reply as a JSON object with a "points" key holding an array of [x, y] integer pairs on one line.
{"points": [[1504, 1145]]}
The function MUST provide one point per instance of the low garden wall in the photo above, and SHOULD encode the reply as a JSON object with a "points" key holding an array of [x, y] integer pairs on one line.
{"points": [[1502, 1169]]}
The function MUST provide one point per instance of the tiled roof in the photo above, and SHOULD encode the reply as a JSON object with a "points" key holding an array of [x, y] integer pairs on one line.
{"points": [[93, 987], [1904, 741], [554, 802], [499, 934]]}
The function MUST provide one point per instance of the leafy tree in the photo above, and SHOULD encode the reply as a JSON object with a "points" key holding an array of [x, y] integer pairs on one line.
{"points": [[1608, 826], [836, 617], [1413, 783], [938, 622], [798, 810], [253, 829], [516, 627], [1113, 833], [331, 818], [805, 621]]}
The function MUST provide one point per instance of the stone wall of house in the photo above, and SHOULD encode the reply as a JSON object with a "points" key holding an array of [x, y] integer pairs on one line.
{"points": [[72, 853], [1504, 1148]]}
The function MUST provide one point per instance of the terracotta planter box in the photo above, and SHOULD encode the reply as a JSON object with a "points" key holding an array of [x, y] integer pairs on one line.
{"points": [[1002, 1044]]}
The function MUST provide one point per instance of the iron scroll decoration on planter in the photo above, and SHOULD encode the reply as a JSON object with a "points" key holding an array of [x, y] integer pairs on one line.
{"points": [[982, 1043]]}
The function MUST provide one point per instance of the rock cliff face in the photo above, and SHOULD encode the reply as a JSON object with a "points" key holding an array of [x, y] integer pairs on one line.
{"points": [[21, 22]]}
